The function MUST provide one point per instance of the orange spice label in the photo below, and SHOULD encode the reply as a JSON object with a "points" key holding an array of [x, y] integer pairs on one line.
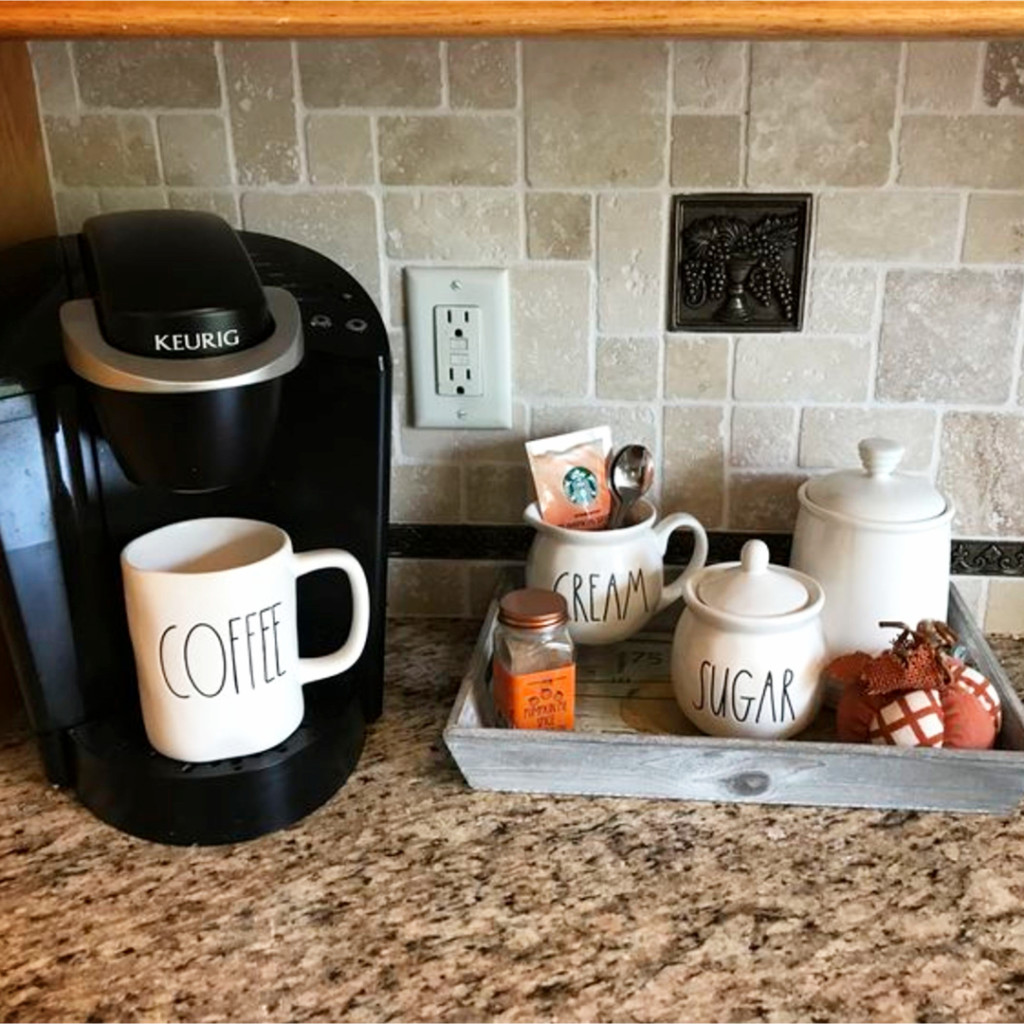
{"points": [[536, 700]]}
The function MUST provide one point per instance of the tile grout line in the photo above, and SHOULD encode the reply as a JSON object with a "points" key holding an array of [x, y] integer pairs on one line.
{"points": [[896, 132], [978, 86], [229, 134], [300, 115], [521, 184], [729, 404], [661, 454], [445, 98]]}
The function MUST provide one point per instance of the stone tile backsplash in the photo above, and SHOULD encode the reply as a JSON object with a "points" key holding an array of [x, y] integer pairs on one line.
{"points": [[557, 158]]}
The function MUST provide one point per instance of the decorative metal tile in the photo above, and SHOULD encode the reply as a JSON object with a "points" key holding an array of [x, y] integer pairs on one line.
{"points": [[738, 262], [988, 557]]}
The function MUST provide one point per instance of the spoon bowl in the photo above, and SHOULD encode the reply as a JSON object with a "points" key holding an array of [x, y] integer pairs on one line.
{"points": [[631, 476]]}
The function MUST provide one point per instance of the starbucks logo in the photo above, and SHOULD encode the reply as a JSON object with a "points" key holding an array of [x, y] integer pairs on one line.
{"points": [[580, 486]]}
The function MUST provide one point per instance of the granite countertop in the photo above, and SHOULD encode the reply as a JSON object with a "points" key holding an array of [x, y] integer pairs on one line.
{"points": [[411, 897]]}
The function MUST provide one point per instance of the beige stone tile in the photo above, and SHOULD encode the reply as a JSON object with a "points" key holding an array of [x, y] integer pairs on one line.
{"points": [[102, 149], [627, 368], [708, 75], [693, 479], [419, 586], [113, 200], [74, 208], [948, 336], [261, 96], [339, 149], [465, 225], [763, 501], [941, 75], [630, 258], [496, 494], [696, 367], [194, 149], [995, 229], [425, 494], [829, 436], [1005, 608], [550, 330], [706, 151], [631, 424], [448, 150], [973, 151], [974, 591], [888, 226], [482, 73], [558, 225], [51, 62], [982, 473], [147, 72], [370, 72], [841, 299], [483, 582], [595, 111], [762, 436], [341, 225], [801, 368], [843, 136], [1002, 83], [220, 202]]}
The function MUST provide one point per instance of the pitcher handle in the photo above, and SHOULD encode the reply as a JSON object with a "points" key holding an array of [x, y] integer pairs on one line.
{"points": [[662, 532]]}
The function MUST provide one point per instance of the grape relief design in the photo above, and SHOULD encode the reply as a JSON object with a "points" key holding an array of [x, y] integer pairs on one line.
{"points": [[726, 258], [740, 261]]}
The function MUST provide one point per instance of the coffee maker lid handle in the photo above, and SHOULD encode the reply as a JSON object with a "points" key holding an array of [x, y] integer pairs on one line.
{"points": [[173, 284], [94, 360]]}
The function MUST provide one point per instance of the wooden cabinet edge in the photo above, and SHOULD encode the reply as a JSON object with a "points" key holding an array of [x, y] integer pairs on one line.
{"points": [[29, 19]]}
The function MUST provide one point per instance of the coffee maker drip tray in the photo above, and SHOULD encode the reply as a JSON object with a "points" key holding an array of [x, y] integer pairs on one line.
{"points": [[124, 781]]}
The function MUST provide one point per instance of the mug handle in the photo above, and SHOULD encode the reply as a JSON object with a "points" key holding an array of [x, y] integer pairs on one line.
{"points": [[662, 532], [311, 669]]}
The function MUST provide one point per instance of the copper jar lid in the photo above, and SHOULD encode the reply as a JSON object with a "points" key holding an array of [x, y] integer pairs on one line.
{"points": [[532, 608]]}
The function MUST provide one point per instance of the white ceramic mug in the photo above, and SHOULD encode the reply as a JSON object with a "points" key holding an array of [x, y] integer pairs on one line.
{"points": [[212, 617], [612, 580]]}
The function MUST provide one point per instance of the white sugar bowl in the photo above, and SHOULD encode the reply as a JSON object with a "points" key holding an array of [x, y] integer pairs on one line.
{"points": [[749, 648]]}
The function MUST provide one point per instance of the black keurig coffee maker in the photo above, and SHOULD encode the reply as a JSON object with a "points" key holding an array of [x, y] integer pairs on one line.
{"points": [[160, 367]]}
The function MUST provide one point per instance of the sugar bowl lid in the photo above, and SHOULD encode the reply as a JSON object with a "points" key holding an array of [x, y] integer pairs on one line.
{"points": [[753, 588], [876, 492]]}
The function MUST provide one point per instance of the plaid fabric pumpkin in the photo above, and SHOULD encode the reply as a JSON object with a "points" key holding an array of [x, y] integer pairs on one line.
{"points": [[911, 719], [971, 681]]}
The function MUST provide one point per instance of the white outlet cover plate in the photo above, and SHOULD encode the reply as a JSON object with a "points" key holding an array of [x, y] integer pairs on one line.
{"points": [[487, 289]]}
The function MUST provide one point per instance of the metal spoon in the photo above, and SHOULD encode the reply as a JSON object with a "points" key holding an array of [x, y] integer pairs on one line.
{"points": [[631, 475]]}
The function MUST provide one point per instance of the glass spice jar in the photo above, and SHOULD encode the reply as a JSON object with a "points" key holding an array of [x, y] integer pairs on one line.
{"points": [[534, 669]]}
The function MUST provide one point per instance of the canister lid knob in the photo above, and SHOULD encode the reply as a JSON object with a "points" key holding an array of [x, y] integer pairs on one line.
{"points": [[879, 455]]}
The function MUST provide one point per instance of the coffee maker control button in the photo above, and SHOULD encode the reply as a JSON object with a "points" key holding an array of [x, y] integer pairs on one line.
{"points": [[320, 320], [356, 325]]}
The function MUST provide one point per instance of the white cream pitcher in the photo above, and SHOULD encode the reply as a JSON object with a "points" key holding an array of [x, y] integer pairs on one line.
{"points": [[612, 580]]}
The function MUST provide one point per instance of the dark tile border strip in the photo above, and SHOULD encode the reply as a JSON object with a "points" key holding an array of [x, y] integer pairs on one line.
{"points": [[511, 543], [987, 558]]}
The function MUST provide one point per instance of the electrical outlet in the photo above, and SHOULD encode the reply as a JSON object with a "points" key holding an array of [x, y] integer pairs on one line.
{"points": [[459, 347], [457, 350]]}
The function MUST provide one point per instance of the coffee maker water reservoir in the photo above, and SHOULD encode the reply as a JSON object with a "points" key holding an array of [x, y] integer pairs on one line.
{"points": [[162, 367]]}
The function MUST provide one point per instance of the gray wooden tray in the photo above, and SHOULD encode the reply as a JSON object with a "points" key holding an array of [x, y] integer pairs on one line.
{"points": [[631, 740]]}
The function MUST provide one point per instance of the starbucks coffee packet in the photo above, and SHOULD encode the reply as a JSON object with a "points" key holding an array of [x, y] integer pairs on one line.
{"points": [[570, 475]]}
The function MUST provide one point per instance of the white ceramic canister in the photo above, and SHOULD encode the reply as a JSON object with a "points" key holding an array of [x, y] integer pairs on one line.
{"points": [[749, 648], [612, 580], [878, 542]]}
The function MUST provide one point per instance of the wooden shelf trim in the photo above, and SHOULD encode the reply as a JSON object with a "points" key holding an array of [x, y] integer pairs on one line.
{"points": [[36, 19]]}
